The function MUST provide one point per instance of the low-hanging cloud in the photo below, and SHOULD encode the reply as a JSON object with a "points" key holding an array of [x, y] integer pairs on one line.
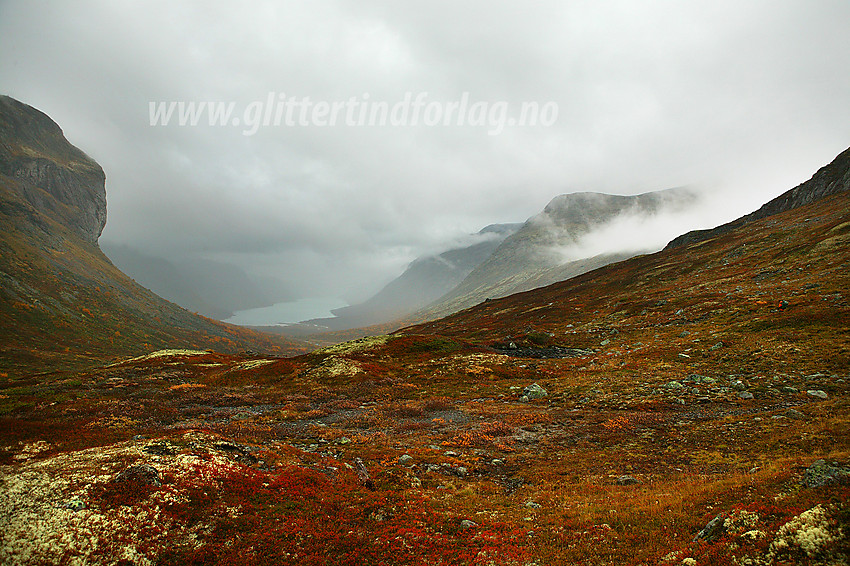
{"points": [[634, 232]]}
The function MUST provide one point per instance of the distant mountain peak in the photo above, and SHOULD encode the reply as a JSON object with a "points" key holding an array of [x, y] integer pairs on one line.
{"points": [[533, 255]]}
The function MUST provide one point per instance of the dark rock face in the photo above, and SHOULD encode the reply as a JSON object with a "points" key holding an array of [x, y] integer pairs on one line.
{"points": [[541, 352], [52, 175], [829, 180], [821, 473], [713, 530]]}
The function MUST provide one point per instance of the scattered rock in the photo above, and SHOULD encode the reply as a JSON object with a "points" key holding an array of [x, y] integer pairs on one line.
{"points": [[794, 414], [820, 473], [161, 448], [141, 473], [788, 389], [467, 524], [239, 452], [820, 394], [547, 352], [626, 480], [534, 391], [344, 440], [363, 475], [405, 459], [745, 395], [716, 347], [738, 385], [532, 505], [713, 530], [675, 385]]}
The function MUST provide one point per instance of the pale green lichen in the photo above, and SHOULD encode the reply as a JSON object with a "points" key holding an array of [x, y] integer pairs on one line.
{"points": [[335, 367], [162, 354], [810, 530], [251, 364], [33, 449], [359, 345], [740, 521], [37, 526]]}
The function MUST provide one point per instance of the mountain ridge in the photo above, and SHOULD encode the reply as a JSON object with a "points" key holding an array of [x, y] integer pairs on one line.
{"points": [[828, 180], [424, 280], [831, 183], [530, 257]]}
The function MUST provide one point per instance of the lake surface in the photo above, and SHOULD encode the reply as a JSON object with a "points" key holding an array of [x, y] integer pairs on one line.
{"points": [[287, 313]]}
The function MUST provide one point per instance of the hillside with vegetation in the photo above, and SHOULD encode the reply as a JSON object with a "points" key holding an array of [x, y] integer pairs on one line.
{"points": [[687, 407]]}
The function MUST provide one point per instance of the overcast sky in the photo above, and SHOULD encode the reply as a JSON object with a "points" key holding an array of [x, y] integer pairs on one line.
{"points": [[741, 99]]}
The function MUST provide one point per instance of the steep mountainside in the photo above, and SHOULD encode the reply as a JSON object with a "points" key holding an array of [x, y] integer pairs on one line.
{"points": [[536, 254], [59, 295], [803, 234], [425, 280], [52, 176]]}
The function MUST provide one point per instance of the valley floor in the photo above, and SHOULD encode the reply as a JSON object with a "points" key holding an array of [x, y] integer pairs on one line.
{"points": [[183, 458]]}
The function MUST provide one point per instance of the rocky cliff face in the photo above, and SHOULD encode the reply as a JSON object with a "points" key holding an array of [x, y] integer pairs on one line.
{"points": [[52, 175], [829, 180]]}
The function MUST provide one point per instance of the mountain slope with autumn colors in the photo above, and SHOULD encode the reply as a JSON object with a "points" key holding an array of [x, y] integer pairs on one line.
{"points": [[60, 297]]}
